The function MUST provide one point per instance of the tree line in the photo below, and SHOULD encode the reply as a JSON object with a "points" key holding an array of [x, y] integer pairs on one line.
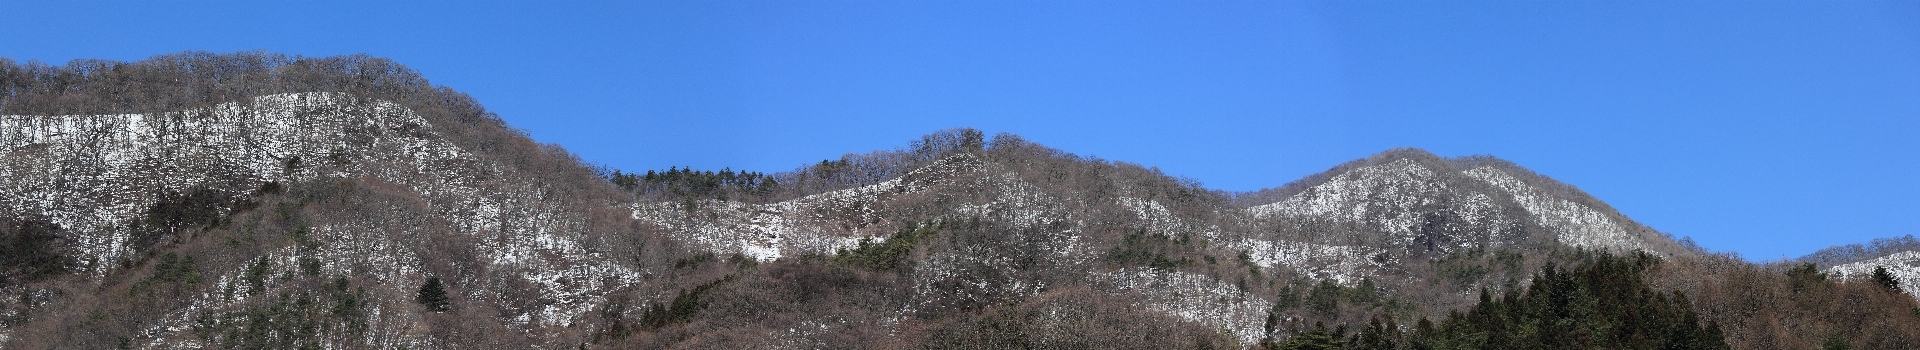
{"points": [[676, 182], [190, 80], [1839, 255], [1605, 302], [849, 171]]}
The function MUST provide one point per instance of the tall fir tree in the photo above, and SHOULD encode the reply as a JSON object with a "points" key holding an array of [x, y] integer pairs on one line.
{"points": [[433, 295]]}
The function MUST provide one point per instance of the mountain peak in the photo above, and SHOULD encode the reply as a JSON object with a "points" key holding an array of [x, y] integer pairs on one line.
{"points": [[1431, 204]]}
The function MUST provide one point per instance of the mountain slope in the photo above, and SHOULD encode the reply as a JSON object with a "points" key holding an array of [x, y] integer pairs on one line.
{"points": [[317, 188], [102, 176], [97, 173]]}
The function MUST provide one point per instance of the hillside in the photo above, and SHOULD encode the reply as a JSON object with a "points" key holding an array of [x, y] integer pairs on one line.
{"points": [[1899, 256], [264, 201]]}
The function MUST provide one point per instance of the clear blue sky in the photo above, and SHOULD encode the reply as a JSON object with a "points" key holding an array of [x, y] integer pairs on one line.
{"points": [[1767, 128]]}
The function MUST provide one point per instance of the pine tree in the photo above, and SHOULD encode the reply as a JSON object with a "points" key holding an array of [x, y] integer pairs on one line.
{"points": [[433, 294], [1378, 336], [1881, 276]]}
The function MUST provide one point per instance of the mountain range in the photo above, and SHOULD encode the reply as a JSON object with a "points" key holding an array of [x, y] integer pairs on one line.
{"points": [[257, 200]]}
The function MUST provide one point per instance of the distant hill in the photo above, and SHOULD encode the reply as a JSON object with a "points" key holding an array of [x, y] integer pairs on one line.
{"points": [[256, 200]]}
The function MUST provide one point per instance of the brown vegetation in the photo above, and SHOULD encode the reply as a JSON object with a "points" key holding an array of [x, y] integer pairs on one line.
{"points": [[1792, 305]]}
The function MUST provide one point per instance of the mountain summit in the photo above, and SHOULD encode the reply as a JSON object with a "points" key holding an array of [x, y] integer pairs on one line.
{"points": [[264, 201]]}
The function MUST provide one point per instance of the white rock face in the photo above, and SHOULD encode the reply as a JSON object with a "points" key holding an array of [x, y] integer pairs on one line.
{"points": [[95, 174], [1577, 225], [1904, 266]]}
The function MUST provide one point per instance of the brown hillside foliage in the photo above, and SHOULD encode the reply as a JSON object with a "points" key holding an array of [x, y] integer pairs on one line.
{"points": [[1792, 306]]}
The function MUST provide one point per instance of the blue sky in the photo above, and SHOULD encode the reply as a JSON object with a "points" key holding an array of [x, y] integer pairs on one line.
{"points": [[1766, 128]]}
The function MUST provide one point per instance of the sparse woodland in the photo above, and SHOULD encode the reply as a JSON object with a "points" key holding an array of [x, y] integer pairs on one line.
{"points": [[950, 264]]}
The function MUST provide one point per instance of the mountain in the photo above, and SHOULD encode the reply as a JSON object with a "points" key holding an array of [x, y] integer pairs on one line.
{"points": [[256, 200]]}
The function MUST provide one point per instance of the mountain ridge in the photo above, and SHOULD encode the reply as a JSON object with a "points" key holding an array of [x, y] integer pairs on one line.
{"points": [[204, 230]]}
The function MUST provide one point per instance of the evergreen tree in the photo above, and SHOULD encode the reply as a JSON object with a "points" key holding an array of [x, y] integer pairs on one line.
{"points": [[31, 249], [1378, 336], [1806, 277], [1325, 297], [1423, 334], [1880, 275], [433, 294], [1365, 293]]}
